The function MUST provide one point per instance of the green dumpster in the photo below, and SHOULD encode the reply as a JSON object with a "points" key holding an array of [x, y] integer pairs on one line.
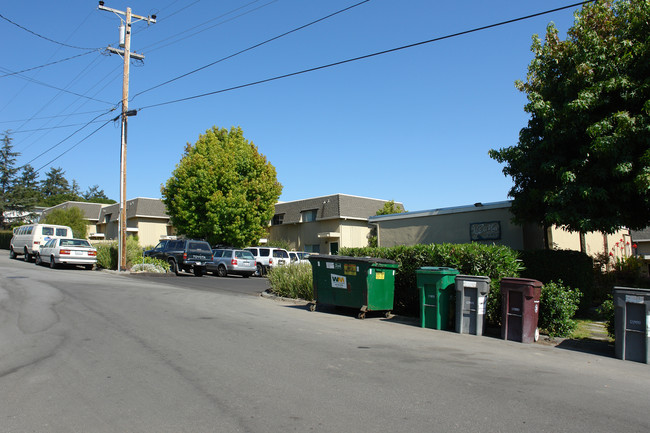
{"points": [[365, 283], [437, 286]]}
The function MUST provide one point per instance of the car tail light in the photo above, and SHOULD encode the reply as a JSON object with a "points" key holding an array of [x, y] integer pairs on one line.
{"points": [[36, 242], [270, 261], [184, 256], [92, 253], [64, 251], [233, 262]]}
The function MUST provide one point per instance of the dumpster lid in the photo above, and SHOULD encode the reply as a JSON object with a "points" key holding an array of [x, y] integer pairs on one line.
{"points": [[631, 290], [436, 270], [370, 260], [521, 282], [479, 278]]}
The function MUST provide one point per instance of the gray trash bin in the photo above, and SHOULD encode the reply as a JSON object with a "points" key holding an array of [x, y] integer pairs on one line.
{"points": [[471, 303], [632, 309]]}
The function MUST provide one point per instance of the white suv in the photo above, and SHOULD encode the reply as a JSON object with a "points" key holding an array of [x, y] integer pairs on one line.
{"points": [[268, 258]]}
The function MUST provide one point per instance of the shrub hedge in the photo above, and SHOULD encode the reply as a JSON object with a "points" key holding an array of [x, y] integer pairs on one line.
{"points": [[293, 281], [573, 268], [494, 261], [557, 306], [107, 254], [5, 239]]}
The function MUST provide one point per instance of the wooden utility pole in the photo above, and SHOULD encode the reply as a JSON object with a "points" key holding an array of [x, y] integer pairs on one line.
{"points": [[127, 55]]}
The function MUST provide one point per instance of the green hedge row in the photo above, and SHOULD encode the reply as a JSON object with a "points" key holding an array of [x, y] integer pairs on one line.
{"points": [[494, 261], [5, 239], [573, 268]]}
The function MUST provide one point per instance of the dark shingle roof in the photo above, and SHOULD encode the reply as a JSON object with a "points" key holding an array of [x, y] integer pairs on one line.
{"points": [[640, 235], [331, 206], [140, 207], [91, 211]]}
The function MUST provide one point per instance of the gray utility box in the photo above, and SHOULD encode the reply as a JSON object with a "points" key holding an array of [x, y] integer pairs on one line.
{"points": [[632, 323], [471, 303]]}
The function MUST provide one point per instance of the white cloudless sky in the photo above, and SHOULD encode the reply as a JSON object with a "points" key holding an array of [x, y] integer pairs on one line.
{"points": [[414, 126]]}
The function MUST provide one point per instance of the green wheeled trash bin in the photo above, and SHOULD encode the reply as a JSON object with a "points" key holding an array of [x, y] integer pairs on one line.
{"points": [[471, 303], [436, 286], [520, 309], [365, 283], [632, 324]]}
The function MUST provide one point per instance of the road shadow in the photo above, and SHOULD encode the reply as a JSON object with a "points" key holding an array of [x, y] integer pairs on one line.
{"points": [[587, 345]]}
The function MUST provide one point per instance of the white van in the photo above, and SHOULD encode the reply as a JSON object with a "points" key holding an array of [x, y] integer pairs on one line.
{"points": [[27, 240]]}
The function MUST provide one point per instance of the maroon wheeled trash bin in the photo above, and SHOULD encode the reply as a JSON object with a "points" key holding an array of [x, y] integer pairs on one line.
{"points": [[520, 309]]}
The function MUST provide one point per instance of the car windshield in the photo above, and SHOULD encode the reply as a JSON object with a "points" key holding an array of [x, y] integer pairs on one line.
{"points": [[74, 243], [244, 255]]}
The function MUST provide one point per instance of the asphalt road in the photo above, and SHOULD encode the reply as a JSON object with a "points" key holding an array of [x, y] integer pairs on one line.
{"points": [[86, 351]]}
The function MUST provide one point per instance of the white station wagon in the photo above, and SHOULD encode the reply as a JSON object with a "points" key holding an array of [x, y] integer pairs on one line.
{"points": [[67, 251]]}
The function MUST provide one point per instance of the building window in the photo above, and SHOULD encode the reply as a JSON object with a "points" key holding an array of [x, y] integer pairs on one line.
{"points": [[312, 248], [308, 215], [277, 219], [107, 218]]}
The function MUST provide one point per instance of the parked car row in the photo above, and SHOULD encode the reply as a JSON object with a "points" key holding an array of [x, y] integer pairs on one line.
{"points": [[54, 245]]}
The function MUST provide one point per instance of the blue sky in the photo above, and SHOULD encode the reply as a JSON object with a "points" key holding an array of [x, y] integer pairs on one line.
{"points": [[414, 126]]}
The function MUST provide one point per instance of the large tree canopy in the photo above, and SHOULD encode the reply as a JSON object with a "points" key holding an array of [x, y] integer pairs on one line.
{"points": [[222, 190], [583, 161]]}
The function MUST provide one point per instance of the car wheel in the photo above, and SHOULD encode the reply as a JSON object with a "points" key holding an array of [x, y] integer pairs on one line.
{"points": [[89, 267], [198, 271], [173, 267], [52, 263], [27, 256], [12, 253], [37, 259], [221, 271], [260, 271]]}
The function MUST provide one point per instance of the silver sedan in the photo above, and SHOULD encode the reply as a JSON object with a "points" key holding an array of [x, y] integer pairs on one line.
{"points": [[67, 251]]}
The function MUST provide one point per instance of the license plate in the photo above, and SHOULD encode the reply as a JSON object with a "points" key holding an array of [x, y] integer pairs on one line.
{"points": [[281, 262], [247, 263], [79, 253]]}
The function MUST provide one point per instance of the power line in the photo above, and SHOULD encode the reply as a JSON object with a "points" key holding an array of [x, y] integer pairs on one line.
{"points": [[16, 74], [53, 127], [52, 117], [367, 56], [207, 28], [70, 136], [45, 37], [47, 64], [251, 48], [77, 144]]}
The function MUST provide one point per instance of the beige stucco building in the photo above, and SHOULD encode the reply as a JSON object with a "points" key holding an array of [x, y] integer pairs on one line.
{"points": [[145, 217], [484, 223], [325, 224]]}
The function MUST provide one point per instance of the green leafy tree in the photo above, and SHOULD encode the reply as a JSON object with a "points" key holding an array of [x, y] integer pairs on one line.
{"points": [[72, 217], [583, 160], [222, 190], [26, 189], [56, 189], [95, 195], [389, 208], [8, 172]]}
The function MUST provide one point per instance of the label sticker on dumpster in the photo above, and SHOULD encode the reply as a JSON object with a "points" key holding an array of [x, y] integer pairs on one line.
{"points": [[350, 269], [469, 283], [482, 305], [339, 281], [379, 275], [631, 299], [329, 265]]}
